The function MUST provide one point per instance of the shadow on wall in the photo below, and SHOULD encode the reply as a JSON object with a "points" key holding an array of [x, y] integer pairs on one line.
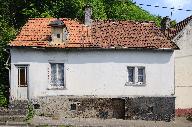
{"points": [[91, 56]]}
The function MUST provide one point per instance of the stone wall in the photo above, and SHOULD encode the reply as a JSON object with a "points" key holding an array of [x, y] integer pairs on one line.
{"points": [[148, 108], [71, 107]]}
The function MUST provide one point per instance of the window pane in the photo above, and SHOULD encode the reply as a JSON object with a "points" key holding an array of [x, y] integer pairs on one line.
{"points": [[22, 76], [53, 74], [141, 74], [60, 79], [58, 35], [140, 71], [131, 74], [140, 78], [57, 74]]}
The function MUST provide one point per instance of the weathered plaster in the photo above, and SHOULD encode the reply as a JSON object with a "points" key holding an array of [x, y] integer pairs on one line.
{"points": [[183, 69], [100, 73]]}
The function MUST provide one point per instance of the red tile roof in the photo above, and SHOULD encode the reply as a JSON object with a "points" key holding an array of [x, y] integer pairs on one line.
{"points": [[102, 34], [172, 32]]}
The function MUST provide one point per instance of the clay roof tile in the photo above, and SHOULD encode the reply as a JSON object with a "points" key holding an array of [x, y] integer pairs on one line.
{"points": [[102, 34]]}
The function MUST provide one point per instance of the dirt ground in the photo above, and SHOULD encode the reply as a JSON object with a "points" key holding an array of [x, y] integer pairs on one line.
{"points": [[91, 122]]}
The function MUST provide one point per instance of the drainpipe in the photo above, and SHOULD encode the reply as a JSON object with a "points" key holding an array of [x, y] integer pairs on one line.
{"points": [[7, 67]]}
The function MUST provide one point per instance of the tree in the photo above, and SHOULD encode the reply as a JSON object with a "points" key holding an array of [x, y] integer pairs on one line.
{"points": [[6, 34]]}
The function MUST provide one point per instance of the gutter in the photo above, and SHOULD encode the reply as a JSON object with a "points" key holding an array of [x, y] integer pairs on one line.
{"points": [[99, 48]]}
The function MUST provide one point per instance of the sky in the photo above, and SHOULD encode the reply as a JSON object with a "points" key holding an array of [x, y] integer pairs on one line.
{"points": [[177, 4]]}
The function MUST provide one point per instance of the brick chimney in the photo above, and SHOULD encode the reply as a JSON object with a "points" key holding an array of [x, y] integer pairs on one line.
{"points": [[88, 14]]}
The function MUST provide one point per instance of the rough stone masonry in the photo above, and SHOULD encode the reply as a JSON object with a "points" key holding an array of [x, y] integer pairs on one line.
{"points": [[146, 108]]}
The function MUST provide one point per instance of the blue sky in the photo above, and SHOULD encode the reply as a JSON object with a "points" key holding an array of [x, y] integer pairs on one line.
{"points": [[176, 14]]}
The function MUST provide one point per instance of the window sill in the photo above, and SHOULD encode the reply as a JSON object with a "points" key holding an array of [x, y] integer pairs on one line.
{"points": [[57, 88], [135, 84]]}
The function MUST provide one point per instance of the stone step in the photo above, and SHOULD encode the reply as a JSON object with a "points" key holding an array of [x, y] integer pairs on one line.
{"points": [[18, 104], [13, 124], [13, 112], [13, 118]]}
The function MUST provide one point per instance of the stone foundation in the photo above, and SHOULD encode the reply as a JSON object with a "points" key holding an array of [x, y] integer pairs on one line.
{"points": [[148, 108]]}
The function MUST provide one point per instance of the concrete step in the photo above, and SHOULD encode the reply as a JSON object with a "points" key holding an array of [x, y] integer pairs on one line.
{"points": [[6, 111], [13, 118], [18, 104], [13, 124]]}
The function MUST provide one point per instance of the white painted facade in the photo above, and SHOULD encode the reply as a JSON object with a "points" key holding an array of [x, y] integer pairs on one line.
{"points": [[100, 73], [183, 69]]}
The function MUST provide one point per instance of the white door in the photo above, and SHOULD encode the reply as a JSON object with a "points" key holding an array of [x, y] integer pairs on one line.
{"points": [[22, 83]]}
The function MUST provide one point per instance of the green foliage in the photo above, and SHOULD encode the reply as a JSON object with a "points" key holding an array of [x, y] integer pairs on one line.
{"points": [[31, 112], [128, 11], [6, 34], [16, 12], [173, 23]]}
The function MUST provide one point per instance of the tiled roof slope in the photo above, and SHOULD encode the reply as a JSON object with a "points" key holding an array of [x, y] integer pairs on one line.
{"points": [[172, 32], [102, 34]]}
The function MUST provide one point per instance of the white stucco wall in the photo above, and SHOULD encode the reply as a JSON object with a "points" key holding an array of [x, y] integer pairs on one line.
{"points": [[102, 73], [183, 69]]}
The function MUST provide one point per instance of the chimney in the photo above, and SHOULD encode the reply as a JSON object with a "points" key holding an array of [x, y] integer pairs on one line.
{"points": [[165, 23], [88, 14]]}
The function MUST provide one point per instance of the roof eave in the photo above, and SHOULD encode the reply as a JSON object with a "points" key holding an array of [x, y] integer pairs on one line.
{"points": [[97, 48]]}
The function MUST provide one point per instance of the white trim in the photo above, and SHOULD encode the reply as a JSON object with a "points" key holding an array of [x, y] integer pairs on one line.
{"points": [[135, 76], [26, 67], [57, 71]]}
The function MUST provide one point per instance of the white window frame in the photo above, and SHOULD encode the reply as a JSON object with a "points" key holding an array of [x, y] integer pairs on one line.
{"points": [[144, 75], [136, 75], [50, 84], [133, 74], [26, 74]]}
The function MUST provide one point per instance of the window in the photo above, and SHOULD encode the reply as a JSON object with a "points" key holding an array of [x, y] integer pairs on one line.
{"points": [[136, 75], [73, 107], [141, 74], [131, 74], [22, 76], [57, 75], [58, 35]]}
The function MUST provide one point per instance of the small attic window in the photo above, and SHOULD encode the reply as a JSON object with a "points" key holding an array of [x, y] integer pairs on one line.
{"points": [[58, 35]]}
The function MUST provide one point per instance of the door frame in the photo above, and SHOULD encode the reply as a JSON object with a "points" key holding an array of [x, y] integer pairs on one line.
{"points": [[27, 77]]}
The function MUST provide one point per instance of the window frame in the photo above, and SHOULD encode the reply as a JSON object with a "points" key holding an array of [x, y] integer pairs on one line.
{"points": [[58, 35], [26, 66], [133, 74], [49, 77], [144, 75], [136, 76]]}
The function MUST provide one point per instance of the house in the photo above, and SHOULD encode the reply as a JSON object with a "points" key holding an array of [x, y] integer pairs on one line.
{"points": [[181, 34], [106, 69]]}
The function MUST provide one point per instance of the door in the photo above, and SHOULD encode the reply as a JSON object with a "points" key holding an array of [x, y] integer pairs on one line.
{"points": [[118, 108], [22, 82]]}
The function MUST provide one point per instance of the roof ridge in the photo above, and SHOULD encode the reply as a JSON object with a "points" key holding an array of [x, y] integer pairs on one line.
{"points": [[128, 21], [188, 19]]}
